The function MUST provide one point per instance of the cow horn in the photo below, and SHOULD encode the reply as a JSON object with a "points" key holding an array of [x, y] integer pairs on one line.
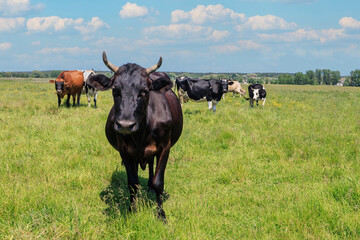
{"points": [[111, 66], [155, 67]]}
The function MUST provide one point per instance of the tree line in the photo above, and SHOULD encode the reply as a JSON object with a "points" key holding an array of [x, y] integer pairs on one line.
{"points": [[317, 77]]}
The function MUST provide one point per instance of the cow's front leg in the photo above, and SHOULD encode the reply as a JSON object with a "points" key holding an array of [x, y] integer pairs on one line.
{"points": [[251, 102], [214, 106], [264, 101], [133, 181], [88, 98], [158, 181], [257, 102], [59, 100], [151, 174], [68, 100], [210, 105]]}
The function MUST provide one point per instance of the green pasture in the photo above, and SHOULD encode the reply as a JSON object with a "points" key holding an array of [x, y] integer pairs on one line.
{"points": [[289, 170]]}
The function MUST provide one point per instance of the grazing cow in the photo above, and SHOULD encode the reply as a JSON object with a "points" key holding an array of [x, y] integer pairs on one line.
{"points": [[69, 83], [145, 121], [257, 93], [200, 90], [235, 88], [89, 90]]}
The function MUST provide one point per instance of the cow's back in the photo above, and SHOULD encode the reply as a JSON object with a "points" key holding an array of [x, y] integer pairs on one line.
{"points": [[177, 116], [74, 81]]}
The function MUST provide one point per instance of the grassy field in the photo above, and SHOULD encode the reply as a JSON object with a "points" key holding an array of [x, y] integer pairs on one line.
{"points": [[289, 170]]}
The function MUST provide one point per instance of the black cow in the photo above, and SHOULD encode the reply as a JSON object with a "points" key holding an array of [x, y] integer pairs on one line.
{"points": [[145, 121], [257, 93], [200, 90]]}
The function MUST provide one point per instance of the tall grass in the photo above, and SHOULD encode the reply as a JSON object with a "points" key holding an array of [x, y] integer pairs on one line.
{"points": [[290, 169]]}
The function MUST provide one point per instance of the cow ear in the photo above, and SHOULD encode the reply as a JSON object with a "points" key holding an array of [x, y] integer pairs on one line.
{"points": [[231, 83], [160, 81], [52, 81], [100, 82]]}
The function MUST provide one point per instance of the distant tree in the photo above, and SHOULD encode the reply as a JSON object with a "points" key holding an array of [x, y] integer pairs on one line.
{"points": [[326, 74], [318, 76], [301, 79], [8, 74], [335, 77], [285, 79], [38, 74], [355, 78], [55, 74], [311, 75], [347, 82]]}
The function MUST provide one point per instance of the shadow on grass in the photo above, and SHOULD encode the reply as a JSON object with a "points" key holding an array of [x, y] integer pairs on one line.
{"points": [[187, 111], [117, 195]]}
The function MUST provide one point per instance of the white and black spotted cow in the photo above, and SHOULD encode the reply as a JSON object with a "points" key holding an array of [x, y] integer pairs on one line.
{"points": [[202, 90], [89, 90], [257, 93]]}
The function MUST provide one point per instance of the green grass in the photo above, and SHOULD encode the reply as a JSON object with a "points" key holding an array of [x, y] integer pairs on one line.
{"points": [[289, 170]]}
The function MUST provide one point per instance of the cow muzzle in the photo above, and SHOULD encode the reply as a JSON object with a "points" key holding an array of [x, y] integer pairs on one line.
{"points": [[125, 126]]}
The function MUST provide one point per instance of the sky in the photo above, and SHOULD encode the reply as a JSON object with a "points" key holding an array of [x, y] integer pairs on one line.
{"points": [[243, 36]]}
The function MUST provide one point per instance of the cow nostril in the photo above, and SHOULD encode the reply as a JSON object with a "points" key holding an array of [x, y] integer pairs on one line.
{"points": [[126, 124]]}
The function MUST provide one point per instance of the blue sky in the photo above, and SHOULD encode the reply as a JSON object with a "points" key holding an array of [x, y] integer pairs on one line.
{"points": [[191, 36]]}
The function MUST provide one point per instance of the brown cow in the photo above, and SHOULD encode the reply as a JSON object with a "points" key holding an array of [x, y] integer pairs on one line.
{"points": [[235, 88], [145, 122], [69, 83]]}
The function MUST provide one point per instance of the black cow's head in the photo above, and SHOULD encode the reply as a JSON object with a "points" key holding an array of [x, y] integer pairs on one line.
{"points": [[59, 85], [130, 86], [225, 85]]}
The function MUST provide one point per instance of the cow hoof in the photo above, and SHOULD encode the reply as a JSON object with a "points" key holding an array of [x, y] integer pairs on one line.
{"points": [[161, 215], [151, 190]]}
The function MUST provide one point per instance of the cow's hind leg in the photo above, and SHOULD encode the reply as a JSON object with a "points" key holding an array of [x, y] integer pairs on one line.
{"points": [[78, 99], [158, 181], [73, 97], [95, 98]]}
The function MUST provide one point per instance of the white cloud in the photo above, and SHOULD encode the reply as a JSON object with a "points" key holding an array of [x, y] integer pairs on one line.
{"points": [[16, 7], [179, 30], [349, 22], [5, 46], [8, 24], [91, 27], [203, 14], [219, 35], [41, 24], [236, 47], [55, 23], [70, 50], [305, 35], [131, 10], [35, 43], [267, 22]]}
